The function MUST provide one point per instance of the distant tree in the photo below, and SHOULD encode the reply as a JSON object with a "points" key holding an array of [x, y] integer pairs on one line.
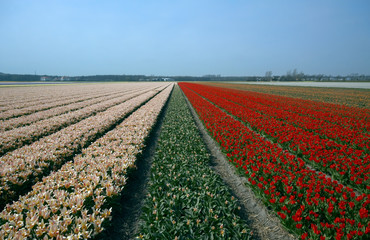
{"points": [[354, 76], [288, 76], [19, 77], [268, 76], [294, 74], [320, 77], [300, 76]]}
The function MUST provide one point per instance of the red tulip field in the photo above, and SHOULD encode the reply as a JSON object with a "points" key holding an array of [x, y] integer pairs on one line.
{"points": [[70, 154], [308, 161]]}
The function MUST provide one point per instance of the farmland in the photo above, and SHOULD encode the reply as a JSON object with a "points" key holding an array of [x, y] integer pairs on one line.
{"points": [[76, 171], [67, 153], [298, 175], [342, 96], [186, 198]]}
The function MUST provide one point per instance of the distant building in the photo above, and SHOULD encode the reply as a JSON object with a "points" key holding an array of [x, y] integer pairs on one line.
{"points": [[63, 78], [45, 78]]}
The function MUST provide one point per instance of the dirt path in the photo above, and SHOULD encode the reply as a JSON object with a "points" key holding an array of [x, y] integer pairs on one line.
{"points": [[263, 224]]}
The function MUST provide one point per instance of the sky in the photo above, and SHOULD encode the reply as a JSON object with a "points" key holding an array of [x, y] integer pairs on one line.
{"points": [[189, 37]]}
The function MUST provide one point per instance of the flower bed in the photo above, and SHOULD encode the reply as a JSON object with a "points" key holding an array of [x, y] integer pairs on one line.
{"points": [[186, 198], [23, 167], [75, 202], [18, 137], [18, 101], [31, 105], [327, 120], [344, 96], [307, 202], [349, 165], [78, 103]]}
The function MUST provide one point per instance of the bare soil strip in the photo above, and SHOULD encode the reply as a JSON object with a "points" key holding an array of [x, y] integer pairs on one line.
{"points": [[264, 224]]}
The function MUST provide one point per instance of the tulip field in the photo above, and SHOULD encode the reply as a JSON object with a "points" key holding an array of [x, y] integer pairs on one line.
{"points": [[186, 198], [308, 161], [77, 171], [67, 154], [341, 96]]}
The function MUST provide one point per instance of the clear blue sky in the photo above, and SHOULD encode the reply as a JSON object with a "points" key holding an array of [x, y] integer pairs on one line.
{"points": [[189, 37]]}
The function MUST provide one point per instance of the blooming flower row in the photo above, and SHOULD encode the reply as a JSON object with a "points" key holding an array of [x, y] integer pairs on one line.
{"points": [[22, 97], [23, 167], [349, 116], [75, 202], [186, 199], [307, 202], [78, 103], [330, 97], [18, 137], [350, 166], [55, 98], [351, 128], [43, 97]]}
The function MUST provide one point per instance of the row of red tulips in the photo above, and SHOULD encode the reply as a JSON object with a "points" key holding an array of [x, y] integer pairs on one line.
{"points": [[308, 203], [350, 166], [352, 130], [344, 115]]}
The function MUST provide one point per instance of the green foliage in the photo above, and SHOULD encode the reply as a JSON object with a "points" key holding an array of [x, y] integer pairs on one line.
{"points": [[186, 199]]}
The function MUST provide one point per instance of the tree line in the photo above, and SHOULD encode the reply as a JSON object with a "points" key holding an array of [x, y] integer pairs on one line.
{"points": [[293, 75]]}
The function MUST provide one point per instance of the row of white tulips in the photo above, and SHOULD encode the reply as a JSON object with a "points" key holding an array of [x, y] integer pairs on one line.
{"points": [[32, 105], [18, 137], [21, 97], [57, 97], [78, 103], [73, 202], [26, 165]]}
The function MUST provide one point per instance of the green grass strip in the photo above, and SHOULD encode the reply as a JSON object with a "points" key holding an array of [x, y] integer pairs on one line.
{"points": [[186, 199]]}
